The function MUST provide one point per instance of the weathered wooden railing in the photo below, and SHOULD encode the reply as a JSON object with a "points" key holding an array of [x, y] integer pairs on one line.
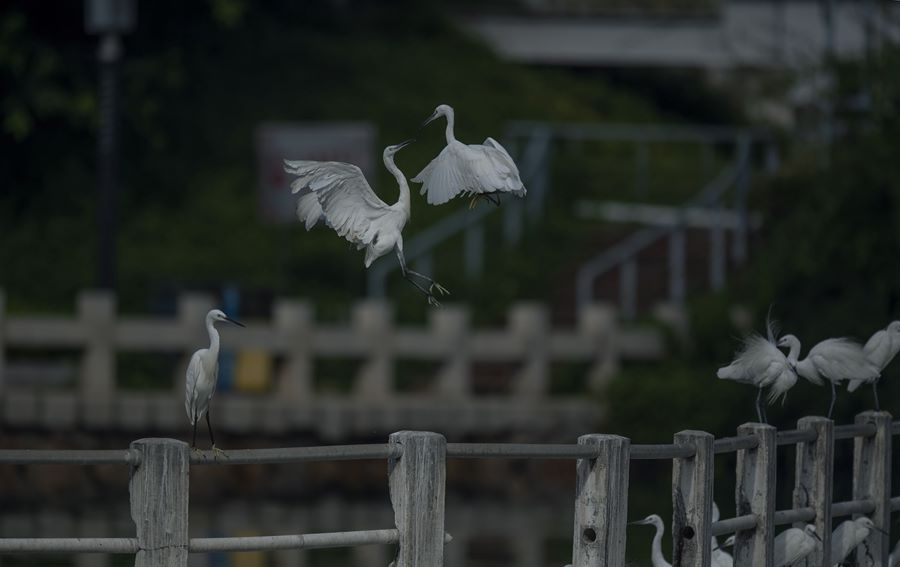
{"points": [[451, 401], [417, 463]]}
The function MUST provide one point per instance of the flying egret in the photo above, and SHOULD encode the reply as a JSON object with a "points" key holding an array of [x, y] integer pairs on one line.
{"points": [[481, 170], [760, 364], [339, 193], [847, 537], [832, 359], [791, 545], [202, 373], [881, 348]]}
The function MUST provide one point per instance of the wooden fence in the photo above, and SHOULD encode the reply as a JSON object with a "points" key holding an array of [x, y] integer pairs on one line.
{"points": [[159, 488], [295, 340]]}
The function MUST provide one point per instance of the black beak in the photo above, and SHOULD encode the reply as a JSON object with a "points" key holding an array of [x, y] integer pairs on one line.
{"points": [[404, 144], [880, 530], [815, 535], [238, 323], [429, 119]]}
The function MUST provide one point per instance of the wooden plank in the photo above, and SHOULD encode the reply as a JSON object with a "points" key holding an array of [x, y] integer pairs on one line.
{"points": [[159, 502], [813, 481], [601, 503], [872, 481], [755, 494], [692, 496], [417, 486]]}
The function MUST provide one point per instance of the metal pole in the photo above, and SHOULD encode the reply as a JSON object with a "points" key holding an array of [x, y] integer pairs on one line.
{"points": [[107, 160]]}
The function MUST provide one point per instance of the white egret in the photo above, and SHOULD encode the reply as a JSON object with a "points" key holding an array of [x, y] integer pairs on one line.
{"points": [[791, 545], [201, 376], [339, 193], [894, 559], [721, 559], [760, 364], [847, 537], [881, 348], [481, 170], [832, 359]]}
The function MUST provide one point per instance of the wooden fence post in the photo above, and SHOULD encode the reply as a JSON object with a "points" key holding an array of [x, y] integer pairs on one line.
{"points": [[601, 505], [529, 323], [97, 383], [294, 321], [813, 480], [2, 342], [374, 321], [872, 481], [450, 326], [755, 494], [598, 321], [417, 485], [692, 495], [159, 502]]}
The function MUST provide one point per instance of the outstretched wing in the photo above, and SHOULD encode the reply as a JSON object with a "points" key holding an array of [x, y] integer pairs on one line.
{"points": [[469, 169], [344, 198]]}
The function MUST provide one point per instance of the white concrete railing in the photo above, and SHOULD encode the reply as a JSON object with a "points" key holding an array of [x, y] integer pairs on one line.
{"points": [[295, 339], [160, 475]]}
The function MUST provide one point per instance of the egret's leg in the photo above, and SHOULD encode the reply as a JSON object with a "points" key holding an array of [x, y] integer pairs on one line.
{"points": [[493, 199], [833, 398], [194, 438], [212, 439], [875, 393], [759, 416], [433, 284], [762, 406], [474, 201], [407, 274]]}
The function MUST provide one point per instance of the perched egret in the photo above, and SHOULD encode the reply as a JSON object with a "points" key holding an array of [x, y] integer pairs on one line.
{"points": [[881, 349], [832, 359], [339, 193], [791, 545], [202, 373], [847, 536], [720, 559], [481, 170], [760, 364]]}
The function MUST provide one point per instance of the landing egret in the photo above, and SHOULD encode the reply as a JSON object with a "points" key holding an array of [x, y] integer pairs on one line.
{"points": [[791, 545], [721, 559], [339, 193], [760, 364], [847, 537], [832, 359], [481, 170], [881, 348], [201, 376]]}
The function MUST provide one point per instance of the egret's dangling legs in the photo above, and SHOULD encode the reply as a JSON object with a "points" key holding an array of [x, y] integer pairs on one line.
{"points": [[875, 392], [759, 414], [194, 438], [833, 398], [487, 196], [407, 273]]}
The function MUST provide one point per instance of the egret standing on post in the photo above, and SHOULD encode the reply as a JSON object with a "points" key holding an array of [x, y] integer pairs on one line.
{"points": [[760, 364], [848, 536], [791, 545], [339, 193], [202, 374], [832, 359], [881, 348], [481, 170]]}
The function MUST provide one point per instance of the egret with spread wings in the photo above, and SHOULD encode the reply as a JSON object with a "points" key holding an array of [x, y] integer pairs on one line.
{"points": [[202, 375], [480, 170], [339, 193]]}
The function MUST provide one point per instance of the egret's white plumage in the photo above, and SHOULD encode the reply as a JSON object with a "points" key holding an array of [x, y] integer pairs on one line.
{"points": [[793, 544], [894, 559], [339, 194], [202, 375], [719, 557], [832, 359], [760, 364], [847, 537], [881, 348], [470, 169]]}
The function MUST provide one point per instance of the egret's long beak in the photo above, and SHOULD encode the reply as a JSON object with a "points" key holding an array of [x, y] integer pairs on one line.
{"points": [[877, 529], [431, 118], [639, 522], [401, 145], [815, 535], [238, 323]]}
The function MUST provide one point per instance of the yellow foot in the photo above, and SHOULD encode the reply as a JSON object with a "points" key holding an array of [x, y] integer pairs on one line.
{"points": [[433, 302], [474, 201], [441, 289], [216, 452]]}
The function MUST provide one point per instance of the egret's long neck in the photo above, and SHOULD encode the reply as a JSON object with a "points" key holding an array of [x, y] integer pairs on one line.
{"points": [[794, 352], [213, 337], [403, 201], [656, 554], [449, 131]]}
